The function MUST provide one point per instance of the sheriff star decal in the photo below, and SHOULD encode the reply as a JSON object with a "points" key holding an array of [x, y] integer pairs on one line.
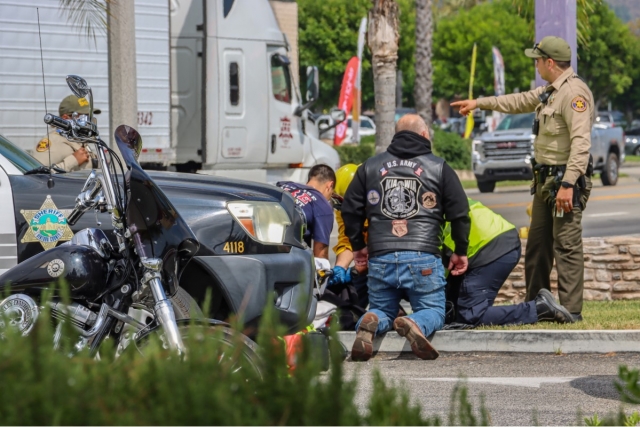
{"points": [[47, 225], [579, 104]]}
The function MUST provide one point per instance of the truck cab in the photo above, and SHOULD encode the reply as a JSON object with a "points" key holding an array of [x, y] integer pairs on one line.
{"points": [[505, 154], [236, 110]]}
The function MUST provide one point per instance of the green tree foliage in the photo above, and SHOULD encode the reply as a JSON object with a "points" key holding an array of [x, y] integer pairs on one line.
{"points": [[328, 38], [488, 24]]}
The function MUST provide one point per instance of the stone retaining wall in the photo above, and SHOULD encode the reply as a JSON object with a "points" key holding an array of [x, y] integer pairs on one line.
{"points": [[611, 271]]}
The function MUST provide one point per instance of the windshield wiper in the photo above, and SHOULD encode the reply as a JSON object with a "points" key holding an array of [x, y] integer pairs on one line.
{"points": [[44, 170]]}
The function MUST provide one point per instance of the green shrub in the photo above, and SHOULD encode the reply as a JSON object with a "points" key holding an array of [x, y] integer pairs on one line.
{"points": [[41, 386], [450, 146]]}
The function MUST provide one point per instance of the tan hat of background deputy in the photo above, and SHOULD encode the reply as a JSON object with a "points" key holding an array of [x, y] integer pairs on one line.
{"points": [[72, 104]]}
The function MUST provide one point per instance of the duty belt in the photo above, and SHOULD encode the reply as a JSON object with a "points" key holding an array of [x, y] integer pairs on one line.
{"points": [[541, 172]]}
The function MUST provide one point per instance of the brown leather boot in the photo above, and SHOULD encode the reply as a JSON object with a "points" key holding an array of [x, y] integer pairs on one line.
{"points": [[362, 349], [420, 345]]}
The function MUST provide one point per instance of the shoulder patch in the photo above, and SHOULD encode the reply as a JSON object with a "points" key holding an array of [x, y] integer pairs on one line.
{"points": [[43, 145], [579, 104]]}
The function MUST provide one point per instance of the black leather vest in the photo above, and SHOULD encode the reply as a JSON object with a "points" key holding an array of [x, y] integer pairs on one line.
{"points": [[404, 204]]}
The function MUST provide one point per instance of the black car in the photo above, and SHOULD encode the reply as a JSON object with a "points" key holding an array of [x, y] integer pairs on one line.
{"points": [[251, 249]]}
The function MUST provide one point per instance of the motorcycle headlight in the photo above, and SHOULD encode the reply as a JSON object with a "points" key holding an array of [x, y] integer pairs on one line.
{"points": [[265, 222]]}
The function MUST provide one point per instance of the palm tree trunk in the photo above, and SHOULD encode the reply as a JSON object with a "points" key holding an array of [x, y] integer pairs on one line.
{"points": [[382, 39], [423, 86]]}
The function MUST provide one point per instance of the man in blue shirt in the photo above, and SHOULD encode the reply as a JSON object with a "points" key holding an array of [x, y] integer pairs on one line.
{"points": [[313, 199]]}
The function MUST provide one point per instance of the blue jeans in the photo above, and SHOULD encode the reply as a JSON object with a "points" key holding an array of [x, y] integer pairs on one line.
{"points": [[416, 275]]}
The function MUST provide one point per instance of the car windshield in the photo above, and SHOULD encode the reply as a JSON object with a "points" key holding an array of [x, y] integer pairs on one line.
{"points": [[366, 124], [516, 121], [17, 156], [363, 124]]}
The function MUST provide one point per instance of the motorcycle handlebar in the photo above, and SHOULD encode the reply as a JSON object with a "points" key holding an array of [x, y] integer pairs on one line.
{"points": [[58, 122], [74, 216]]}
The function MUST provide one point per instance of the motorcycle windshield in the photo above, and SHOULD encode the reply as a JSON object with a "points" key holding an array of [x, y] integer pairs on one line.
{"points": [[162, 231]]}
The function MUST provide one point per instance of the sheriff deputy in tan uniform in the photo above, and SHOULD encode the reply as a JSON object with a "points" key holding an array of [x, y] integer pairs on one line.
{"points": [[564, 117], [65, 154]]}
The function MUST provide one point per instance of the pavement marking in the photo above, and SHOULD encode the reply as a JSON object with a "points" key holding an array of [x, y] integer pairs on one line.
{"points": [[532, 382], [606, 214], [595, 198]]}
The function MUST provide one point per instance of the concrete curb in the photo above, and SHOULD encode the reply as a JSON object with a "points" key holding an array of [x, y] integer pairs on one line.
{"points": [[527, 341]]}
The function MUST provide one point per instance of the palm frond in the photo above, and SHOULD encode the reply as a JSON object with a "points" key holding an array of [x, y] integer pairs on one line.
{"points": [[87, 16]]}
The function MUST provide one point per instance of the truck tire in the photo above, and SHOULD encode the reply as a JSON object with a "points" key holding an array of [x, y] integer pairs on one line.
{"points": [[486, 186], [609, 174]]}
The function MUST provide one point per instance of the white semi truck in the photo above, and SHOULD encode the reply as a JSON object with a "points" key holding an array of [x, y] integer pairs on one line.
{"points": [[215, 90]]}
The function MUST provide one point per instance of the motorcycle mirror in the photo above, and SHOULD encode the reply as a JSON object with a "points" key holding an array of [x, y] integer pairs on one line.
{"points": [[78, 86], [81, 89], [129, 139]]}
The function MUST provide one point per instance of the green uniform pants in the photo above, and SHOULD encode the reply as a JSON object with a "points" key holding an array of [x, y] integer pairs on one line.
{"points": [[558, 238]]}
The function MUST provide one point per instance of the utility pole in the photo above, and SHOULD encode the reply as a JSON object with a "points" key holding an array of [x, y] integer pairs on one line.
{"points": [[123, 87]]}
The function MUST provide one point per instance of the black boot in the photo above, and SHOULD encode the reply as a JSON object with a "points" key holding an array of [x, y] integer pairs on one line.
{"points": [[549, 310], [577, 317]]}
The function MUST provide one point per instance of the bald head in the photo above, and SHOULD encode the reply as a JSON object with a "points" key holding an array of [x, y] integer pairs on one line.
{"points": [[413, 123]]}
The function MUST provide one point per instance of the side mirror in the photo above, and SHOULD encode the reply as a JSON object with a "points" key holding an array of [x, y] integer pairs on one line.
{"points": [[313, 83], [78, 86], [338, 115], [81, 89], [129, 142]]}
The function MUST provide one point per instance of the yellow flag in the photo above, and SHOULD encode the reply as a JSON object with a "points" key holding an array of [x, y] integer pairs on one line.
{"points": [[470, 122]]}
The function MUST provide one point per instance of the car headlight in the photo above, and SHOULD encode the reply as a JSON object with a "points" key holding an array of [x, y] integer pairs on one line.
{"points": [[475, 145], [265, 222]]}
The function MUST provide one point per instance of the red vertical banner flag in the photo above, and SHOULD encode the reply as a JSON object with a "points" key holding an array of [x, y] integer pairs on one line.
{"points": [[347, 93]]}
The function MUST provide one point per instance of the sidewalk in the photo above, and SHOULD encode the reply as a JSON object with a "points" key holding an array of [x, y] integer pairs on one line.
{"points": [[520, 341]]}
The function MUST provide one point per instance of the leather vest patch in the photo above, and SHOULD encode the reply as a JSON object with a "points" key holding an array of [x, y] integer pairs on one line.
{"points": [[400, 197], [399, 227]]}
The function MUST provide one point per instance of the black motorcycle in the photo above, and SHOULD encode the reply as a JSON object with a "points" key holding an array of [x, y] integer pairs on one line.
{"points": [[122, 292]]}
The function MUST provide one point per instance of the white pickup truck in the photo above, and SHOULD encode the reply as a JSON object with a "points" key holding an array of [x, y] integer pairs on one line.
{"points": [[506, 153]]}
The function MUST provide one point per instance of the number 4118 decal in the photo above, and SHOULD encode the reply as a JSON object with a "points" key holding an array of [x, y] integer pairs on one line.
{"points": [[234, 247]]}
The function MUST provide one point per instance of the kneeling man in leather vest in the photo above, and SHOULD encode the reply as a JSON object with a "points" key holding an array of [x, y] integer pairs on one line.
{"points": [[405, 193]]}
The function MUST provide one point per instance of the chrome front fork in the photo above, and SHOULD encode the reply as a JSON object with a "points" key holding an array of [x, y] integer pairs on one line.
{"points": [[163, 307]]}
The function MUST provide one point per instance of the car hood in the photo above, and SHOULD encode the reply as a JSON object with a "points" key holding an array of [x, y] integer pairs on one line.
{"points": [[201, 201]]}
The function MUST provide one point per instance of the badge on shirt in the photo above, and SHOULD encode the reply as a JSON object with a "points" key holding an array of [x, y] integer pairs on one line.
{"points": [[579, 104], [43, 145]]}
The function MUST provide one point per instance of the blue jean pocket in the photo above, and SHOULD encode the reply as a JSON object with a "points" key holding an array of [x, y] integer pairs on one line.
{"points": [[426, 276], [375, 279]]}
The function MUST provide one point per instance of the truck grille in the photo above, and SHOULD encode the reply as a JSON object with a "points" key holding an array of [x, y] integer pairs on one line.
{"points": [[507, 150]]}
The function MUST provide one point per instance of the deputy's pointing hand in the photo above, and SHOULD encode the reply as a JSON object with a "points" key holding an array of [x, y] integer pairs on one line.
{"points": [[466, 106]]}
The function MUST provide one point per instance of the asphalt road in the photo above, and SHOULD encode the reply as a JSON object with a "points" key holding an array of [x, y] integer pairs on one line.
{"points": [[611, 211], [519, 389]]}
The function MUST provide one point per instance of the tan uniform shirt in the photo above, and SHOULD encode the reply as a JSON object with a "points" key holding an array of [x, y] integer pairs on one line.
{"points": [[61, 152], [565, 121]]}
